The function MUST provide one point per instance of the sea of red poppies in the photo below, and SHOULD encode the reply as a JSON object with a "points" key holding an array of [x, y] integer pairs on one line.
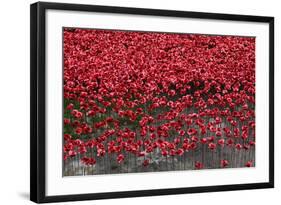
{"points": [[148, 101]]}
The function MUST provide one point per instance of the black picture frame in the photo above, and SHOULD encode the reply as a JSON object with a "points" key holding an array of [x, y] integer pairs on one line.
{"points": [[38, 101]]}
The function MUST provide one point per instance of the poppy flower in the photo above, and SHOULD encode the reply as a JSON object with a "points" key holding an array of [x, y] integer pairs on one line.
{"points": [[141, 154], [203, 140], [185, 146], [221, 142], [192, 131], [78, 130], [198, 165], [192, 146], [211, 138], [249, 164], [88, 161], [252, 143], [70, 106], [91, 161], [65, 157], [149, 149], [218, 134], [67, 137], [181, 132], [78, 142], [238, 146], [212, 146], [66, 121], [180, 152], [72, 153], [145, 163], [224, 163], [164, 153], [229, 142], [246, 146], [100, 152], [120, 158], [194, 139], [172, 152], [82, 149]]}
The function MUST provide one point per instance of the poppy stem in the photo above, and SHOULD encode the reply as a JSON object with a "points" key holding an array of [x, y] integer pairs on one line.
{"points": [[173, 163], [167, 163], [193, 158], [92, 154], [73, 167], [78, 163], [128, 159], [184, 160]]}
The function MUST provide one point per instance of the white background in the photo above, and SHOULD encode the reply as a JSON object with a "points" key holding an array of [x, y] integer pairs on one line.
{"points": [[56, 185], [14, 103]]}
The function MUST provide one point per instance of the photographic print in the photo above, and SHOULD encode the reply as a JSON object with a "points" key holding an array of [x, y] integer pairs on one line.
{"points": [[133, 102], [144, 101]]}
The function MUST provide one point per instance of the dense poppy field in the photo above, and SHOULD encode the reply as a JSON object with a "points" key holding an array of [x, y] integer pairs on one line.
{"points": [[147, 101]]}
